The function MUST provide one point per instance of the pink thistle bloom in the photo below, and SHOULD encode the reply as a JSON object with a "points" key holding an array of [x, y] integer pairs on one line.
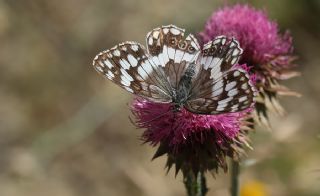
{"points": [[190, 140], [258, 36], [267, 52], [178, 127]]}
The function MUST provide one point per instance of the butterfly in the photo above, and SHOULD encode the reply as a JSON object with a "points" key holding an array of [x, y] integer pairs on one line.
{"points": [[175, 69]]}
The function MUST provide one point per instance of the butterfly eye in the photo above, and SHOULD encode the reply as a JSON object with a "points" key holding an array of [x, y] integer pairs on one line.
{"points": [[191, 49]]}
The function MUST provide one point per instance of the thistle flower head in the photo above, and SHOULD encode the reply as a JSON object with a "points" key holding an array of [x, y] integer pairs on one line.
{"points": [[258, 36], [199, 142], [267, 52]]}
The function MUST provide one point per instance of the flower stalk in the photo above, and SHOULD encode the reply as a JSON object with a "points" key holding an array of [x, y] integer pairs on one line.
{"points": [[195, 184], [235, 171]]}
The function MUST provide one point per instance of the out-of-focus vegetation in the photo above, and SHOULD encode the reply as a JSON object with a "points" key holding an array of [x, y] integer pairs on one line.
{"points": [[65, 131]]}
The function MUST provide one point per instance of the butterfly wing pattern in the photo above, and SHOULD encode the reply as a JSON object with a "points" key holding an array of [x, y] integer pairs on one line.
{"points": [[129, 66], [220, 86], [170, 50], [155, 73]]}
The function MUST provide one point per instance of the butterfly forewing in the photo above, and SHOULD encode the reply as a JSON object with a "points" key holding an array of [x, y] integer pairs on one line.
{"points": [[171, 50], [129, 66]]}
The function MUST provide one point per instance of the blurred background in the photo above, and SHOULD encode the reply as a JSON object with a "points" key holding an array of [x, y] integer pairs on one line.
{"points": [[65, 131]]}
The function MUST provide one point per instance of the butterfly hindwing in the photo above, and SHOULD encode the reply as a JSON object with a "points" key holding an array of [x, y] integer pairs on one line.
{"points": [[232, 92], [129, 66], [220, 54]]}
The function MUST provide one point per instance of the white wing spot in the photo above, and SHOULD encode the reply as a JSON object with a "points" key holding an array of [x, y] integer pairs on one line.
{"points": [[164, 55], [156, 60], [217, 92], [232, 44], [215, 73], [158, 42], [244, 86], [224, 101], [150, 41], [110, 74], [133, 61], [242, 99], [144, 70], [135, 47], [125, 73], [108, 63], [161, 60], [223, 40], [207, 45], [216, 61], [230, 85], [216, 41], [217, 85], [236, 52], [234, 60], [124, 64], [178, 56], [116, 53], [188, 57], [124, 81], [220, 39], [235, 107], [236, 73], [171, 52], [155, 34], [221, 107], [174, 31], [147, 67], [233, 92]]}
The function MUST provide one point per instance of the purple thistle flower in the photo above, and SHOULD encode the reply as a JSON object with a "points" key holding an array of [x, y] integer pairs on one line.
{"points": [[267, 52], [258, 36], [190, 140], [178, 127]]}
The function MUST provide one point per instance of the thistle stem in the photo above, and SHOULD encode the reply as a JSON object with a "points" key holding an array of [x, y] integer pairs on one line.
{"points": [[195, 185], [235, 171]]}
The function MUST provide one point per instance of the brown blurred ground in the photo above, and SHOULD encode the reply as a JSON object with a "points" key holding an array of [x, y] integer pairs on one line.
{"points": [[65, 131]]}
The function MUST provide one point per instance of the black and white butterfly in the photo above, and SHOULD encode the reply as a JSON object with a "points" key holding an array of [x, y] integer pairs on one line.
{"points": [[174, 69]]}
